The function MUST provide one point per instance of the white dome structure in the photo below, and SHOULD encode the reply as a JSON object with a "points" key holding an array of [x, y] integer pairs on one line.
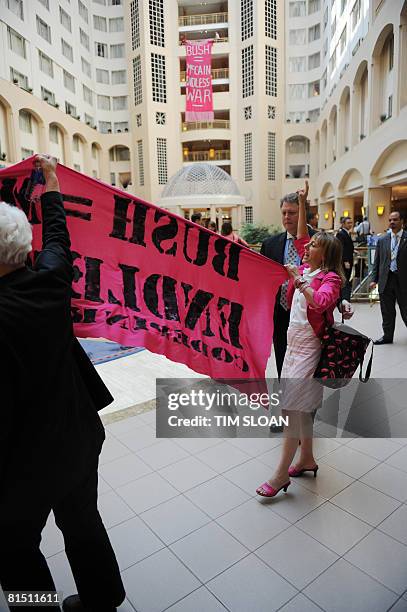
{"points": [[201, 185]]}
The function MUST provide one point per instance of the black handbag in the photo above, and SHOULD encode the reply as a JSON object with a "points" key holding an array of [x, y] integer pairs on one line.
{"points": [[343, 351]]}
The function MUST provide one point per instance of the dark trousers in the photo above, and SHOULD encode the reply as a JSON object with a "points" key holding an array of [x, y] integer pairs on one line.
{"points": [[281, 322], [388, 299], [347, 288], [24, 510]]}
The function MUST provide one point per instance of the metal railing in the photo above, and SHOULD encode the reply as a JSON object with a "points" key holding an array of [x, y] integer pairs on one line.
{"points": [[216, 73], [221, 39], [362, 275], [207, 18], [207, 156], [216, 124]]}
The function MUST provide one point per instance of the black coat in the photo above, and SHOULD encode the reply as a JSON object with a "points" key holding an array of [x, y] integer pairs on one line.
{"points": [[50, 428], [347, 245], [382, 262]]}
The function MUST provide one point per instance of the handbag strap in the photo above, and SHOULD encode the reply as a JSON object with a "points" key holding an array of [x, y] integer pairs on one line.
{"points": [[368, 369]]}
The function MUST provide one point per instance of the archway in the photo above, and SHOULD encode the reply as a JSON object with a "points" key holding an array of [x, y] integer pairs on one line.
{"points": [[383, 76], [297, 150], [360, 107]]}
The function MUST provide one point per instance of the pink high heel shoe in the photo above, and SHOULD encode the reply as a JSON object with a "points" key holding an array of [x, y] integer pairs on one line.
{"points": [[294, 472], [270, 491]]}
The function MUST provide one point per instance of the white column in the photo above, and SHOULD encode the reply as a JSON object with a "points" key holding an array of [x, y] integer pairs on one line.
{"points": [[213, 212], [374, 198], [342, 205]]}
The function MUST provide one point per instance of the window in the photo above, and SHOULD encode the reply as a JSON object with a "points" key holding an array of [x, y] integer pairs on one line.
{"points": [[43, 29], [104, 102], [158, 78], [65, 19], [16, 42], [77, 167], [314, 33], [26, 153], [138, 119], [46, 64], [297, 116], [115, 2], [87, 94], [118, 77], [248, 214], [135, 24], [18, 78], [246, 19], [101, 49], [86, 68], [102, 76], [116, 24], [90, 121], [342, 40], [67, 50], [247, 72], [313, 89], [162, 161], [75, 144], [325, 49], [247, 112], [54, 134], [156, 17], [391, 52], [45, 3], [117, 51], [390, 107], [356, 14], [324, 80], [313, 6], [297, 64], [313, 114], [105, 127], [119, 102], [121, 126], [47, 96], [140, 162], [333, 27], [70, 109], [271, 156], [271, 71], [25, 122], [84, 39], [271, 112], [343, 4], [69, 81], [297, 37], [160, 118], [332, 62], [100, 23], [297, 92], [325, 18], [102, 2], [113, 179], [83, 11], [314, 61], [298, 9], [16, 7], [271, 19], [248, 158]]}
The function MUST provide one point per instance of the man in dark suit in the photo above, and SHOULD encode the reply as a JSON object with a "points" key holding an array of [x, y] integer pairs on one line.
{"points": [[51, 435], [390, 272], [348, 248]]}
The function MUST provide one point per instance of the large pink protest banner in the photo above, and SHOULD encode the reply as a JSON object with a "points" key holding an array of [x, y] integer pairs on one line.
{"points": [[199, 94], [144, 276]]}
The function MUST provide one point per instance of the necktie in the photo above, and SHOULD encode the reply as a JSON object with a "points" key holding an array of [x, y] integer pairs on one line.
{"points": [[393, 254], [292, 258]]}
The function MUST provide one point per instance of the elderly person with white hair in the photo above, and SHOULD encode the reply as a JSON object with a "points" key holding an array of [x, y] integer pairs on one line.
{"points": [[50, 434]]}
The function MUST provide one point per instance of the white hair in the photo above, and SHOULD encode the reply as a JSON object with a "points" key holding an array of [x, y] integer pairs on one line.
{"points": [[15, 235]]}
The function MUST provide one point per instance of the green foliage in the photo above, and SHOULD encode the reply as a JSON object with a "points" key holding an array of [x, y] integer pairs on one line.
{"points": [[255, 234]]}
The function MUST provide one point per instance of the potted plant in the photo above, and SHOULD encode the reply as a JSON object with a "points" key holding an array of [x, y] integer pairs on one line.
{"points": [[68, 111], [45, 99], [30, 90], [383, 117], [362, 136], [56, 105], [78, 117], [346, 149], [297, 121], [287, 176], [15, 81], [308, 120], [4, 156], [126, 129], [109, 131], [88, 123], [288, 120]]}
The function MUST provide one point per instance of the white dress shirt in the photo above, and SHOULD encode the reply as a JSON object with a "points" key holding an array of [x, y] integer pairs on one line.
{"points": [[298, 314]]}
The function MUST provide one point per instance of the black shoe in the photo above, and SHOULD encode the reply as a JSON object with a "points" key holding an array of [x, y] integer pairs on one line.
{"points": [[74, 604], [276, 428], [383, 340]]}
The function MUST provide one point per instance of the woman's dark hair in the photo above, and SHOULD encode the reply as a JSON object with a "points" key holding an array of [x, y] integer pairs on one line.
{"points": [[226, 228], [332, 253]]}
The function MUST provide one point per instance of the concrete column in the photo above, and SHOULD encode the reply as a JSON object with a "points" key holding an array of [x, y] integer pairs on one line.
{"points": [[14, 137], [323, 209], [373, 96], [43, 138], [179, 211], [400, 52], [239, 215], [67, 146], [373, 198], [342, 205], [105, 167], [87, 158], [213, 212]]}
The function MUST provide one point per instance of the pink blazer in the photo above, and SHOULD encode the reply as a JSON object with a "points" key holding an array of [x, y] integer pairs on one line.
{"points": [[327, 291]]}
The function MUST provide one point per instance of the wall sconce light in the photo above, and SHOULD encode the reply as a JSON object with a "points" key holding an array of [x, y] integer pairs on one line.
{"points": [[334, 214], [346, 213], [185, 152], [184, 128], [211, 153], [326, 216], [363, 210], [380, 210]]}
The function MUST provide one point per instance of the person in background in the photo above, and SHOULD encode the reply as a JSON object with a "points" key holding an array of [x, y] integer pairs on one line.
{"points": [[390, 272], [197, 218], [212, 226], [348, 248], [312, 220], [363, 231], [227, 231], [51, 434]]}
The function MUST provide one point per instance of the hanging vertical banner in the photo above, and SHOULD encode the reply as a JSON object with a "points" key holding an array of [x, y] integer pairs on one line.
{"points": [[199, 105]]}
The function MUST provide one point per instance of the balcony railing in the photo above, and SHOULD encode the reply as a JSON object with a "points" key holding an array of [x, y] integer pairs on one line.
{"points": [[216, 73], [192, 20], [207, 156], [216, 124], [220, 39]]}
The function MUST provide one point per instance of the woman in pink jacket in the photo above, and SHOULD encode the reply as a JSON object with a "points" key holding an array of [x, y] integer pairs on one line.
{"points": [[313, 293]]}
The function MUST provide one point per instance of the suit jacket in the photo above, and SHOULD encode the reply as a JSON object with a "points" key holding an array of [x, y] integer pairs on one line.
{"points": [[50, 390], [347, 245], [381, 266]]}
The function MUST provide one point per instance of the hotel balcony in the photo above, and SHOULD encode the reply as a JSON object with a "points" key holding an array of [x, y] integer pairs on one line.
{"points": [[219, 73], [216, 152], [220, 76], [206, 131], [216, 124], [211, 21]]}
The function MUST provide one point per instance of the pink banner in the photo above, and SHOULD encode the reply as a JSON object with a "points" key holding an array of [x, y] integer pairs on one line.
{"points": [[199, 98], [147, 277]]}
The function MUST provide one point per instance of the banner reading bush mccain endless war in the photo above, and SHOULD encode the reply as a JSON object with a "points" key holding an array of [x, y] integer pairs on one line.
{"points": [[144, 276], [199, 94]]}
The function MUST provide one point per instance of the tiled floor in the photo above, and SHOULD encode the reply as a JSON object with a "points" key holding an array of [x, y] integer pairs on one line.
{"points": [[191, 535]]}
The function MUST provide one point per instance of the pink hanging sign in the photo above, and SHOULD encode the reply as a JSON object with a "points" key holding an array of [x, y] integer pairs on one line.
{"points": [[199, 98]]}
